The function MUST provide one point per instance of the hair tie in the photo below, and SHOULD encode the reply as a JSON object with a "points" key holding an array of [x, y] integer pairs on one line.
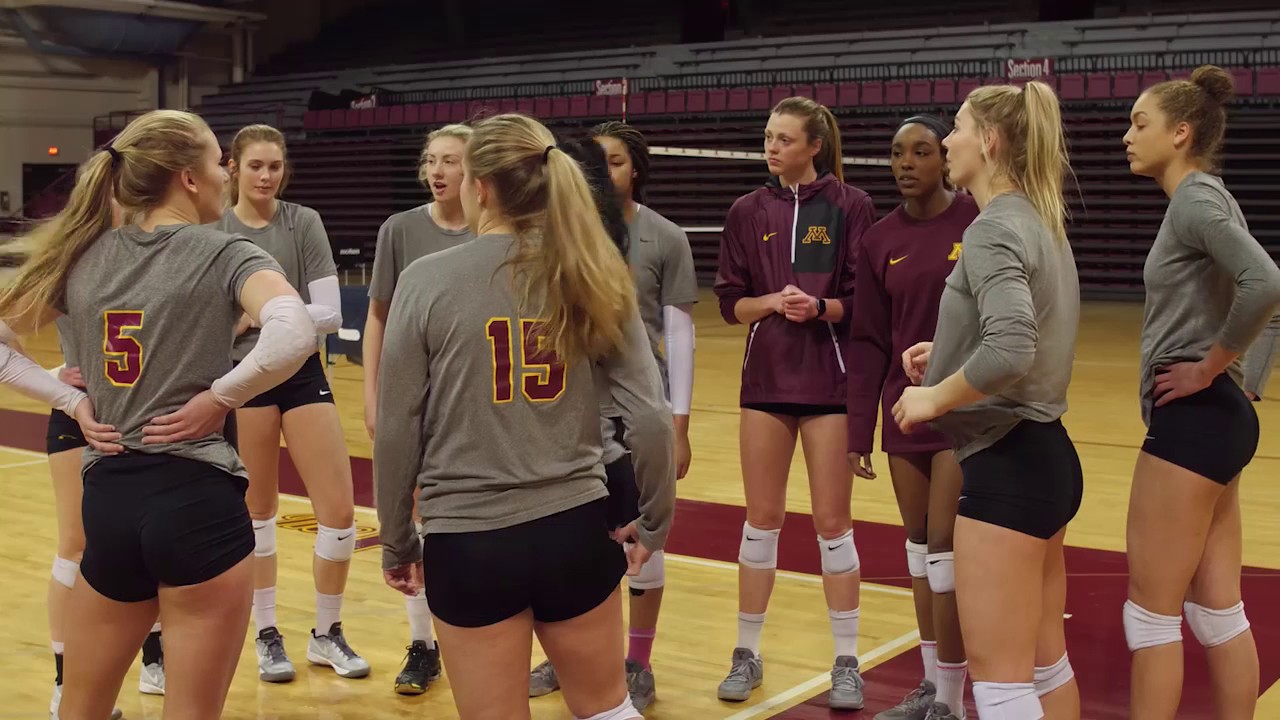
{"points": [[546, 153], [115, 156]]}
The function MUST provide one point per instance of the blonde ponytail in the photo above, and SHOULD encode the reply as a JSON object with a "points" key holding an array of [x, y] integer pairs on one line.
{"points": [[1046, 157], [136, 171], [831, 156], [566, 264], [1033, 149]]}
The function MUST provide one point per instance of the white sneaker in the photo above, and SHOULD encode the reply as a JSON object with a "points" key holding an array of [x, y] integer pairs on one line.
{"points": [[116, 713], [273, 664], [332, 649], [151, 679]]}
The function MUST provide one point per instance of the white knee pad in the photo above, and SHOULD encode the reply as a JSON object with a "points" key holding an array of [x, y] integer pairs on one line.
{"points": [[652, 575], [1007, 701], [625, 711], [1054, 676], [1144, 629], [942, 572], [1215, 627], [65, 571], [916, 553], [335, 545], [839, 555], [759, 548], [264, 537]]}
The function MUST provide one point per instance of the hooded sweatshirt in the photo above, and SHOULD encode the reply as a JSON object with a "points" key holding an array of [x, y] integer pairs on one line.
{"points": [[806, 237]]}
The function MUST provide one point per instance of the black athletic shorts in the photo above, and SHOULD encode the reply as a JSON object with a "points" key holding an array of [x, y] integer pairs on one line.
{"points": [[152, 520], [1030, 481], [620, 480], [63, 434], [797, 409], [560, 566], [308, 386], [1213, 433]]}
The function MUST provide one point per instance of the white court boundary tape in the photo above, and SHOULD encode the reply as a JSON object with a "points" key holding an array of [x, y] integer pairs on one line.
{"points": [[747, 155]]}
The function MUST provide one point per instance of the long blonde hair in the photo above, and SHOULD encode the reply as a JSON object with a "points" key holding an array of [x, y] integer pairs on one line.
{"points": [[565, 260], [461, 132], [1033, 152], [819, 124], [136, 170], [247, 136]]}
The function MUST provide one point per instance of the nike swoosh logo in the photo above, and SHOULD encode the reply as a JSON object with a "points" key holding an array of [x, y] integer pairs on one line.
{"points": [[344, 537], [766, 237], [895, 261], [326, 392], [832, 547], [68, 437]]}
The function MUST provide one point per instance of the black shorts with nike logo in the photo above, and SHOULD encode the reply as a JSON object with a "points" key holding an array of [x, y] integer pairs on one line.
{"points": [[308, 386], [153, 520], [63, 434]]}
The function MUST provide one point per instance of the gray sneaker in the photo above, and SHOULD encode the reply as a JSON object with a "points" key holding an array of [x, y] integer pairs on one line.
{"points": [[846, 685], [273, 663], [745, 675], [640, 686], [116, 713], [940, 711], [332, 649], [915, 706], [543, 680]]}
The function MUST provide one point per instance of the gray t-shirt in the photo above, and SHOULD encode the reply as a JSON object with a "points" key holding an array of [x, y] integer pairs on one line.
{"points": [[661, 262], [296, 238], [490, 431], [152, 316], [1008, 318], [403, 238], [1207, 280], [66, 343]]}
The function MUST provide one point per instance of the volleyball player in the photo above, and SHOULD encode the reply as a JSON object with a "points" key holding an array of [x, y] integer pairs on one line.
{"points": [[403, 238], [995, 382], [302, 407], [1211, 288], [166, 527], [786, 268], [903, 264], [661, 263], [503, 336]]}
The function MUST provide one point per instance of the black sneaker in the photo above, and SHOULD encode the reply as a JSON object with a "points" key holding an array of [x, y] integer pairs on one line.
{"points": [[421, 668]]}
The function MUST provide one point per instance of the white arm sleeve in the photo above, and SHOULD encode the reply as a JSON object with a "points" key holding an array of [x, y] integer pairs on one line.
{"points": [[326, 304], [22, 374], [287, 339], [677, 331]]}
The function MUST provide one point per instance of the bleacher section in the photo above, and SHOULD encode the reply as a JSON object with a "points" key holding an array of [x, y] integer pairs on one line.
{"points": [[357, 165]]}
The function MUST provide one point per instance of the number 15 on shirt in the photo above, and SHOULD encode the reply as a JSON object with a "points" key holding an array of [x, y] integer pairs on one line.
{"points": [[542, 374]]}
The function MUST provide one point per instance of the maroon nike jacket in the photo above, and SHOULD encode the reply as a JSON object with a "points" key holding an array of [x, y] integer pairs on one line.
{"points": [[776, 237]]}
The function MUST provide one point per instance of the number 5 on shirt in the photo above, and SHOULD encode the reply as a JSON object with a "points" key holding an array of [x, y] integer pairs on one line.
{"points": [[123, 353], [544, 384]]}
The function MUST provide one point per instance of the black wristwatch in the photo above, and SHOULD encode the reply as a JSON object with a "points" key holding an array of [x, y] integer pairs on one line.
{"points": [[822, 307]]}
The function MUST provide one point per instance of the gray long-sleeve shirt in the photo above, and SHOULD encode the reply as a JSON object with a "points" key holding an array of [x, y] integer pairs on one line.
{"points": [[1208, 281], [1008, 319], [491, 431]]}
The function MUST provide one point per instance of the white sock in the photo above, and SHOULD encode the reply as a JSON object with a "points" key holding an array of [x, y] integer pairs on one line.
{"points": [[951, 686], [419, 618], [328, 612], [749, 628], [156, 628], [844, 627], [264, 608], [929, 651], [58, 647]]}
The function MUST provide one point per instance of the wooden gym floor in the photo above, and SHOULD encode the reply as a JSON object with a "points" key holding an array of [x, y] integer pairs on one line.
{"points": [[698, 626]]}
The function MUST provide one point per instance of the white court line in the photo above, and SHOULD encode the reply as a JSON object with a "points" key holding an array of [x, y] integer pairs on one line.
{"points": [[41, 461], [25, 453], [784, 698]]}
